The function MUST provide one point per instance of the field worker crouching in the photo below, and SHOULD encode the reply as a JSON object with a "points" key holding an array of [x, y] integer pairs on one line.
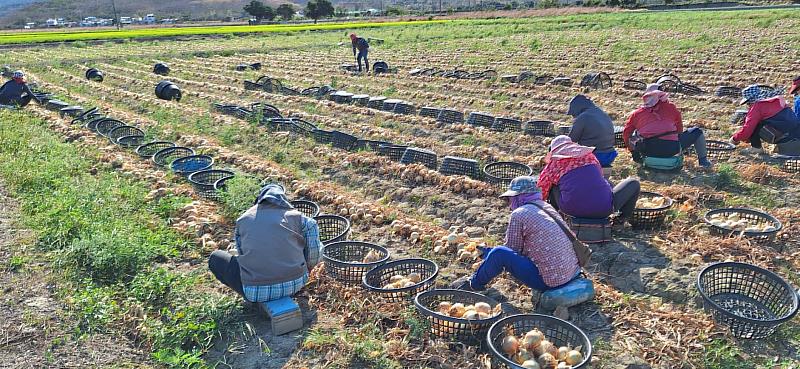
{"points": [[537, 252], [277, 248], [659, 127], [572, 181], [592, 127], [16, 91], [362, 46], [769, 119]]}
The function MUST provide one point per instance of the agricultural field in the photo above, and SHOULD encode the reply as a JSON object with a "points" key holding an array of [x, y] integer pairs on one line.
{"points": [[104, 253]]}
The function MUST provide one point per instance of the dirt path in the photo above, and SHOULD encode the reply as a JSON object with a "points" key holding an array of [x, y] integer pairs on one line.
{"points": [[34, 330]]}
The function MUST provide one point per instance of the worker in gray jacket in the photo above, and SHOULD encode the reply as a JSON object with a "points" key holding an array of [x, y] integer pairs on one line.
{"points": [[277, 246], [592, 127]]}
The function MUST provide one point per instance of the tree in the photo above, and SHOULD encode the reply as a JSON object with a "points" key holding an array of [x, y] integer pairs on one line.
{"points": [[316, 9], [285, 11], [260, 11]]}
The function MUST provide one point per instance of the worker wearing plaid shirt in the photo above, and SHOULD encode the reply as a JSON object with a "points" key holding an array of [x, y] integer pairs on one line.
{"points": [[276, 245], [537, 251]]}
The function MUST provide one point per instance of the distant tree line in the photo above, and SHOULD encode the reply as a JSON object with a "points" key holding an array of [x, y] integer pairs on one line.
{"points": [[315, 9]]}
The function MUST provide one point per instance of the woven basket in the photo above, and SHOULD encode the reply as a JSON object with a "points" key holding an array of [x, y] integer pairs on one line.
{"points": [[557, 331], [596, 80], [252, 86], [164, 157], [184, 166], [500, 174], [342, 97], [751, 301], [149, 149], [561, 81], [540, 128], [728, 91], [375, 279], [480, 119], [55, 105], [130, 142], [563, 130], [344, 260], [370, 145], [633, 84], [759, 237], [455, 166], [507, 124], [460, 329], [307, 208], [650, 218], [71, 111], [322, 136], [344, 141], [332, 228], [122, 131], [416, 155], [361, 100], [390, 104], [450, 116], [430, 112], [203, 182], [106, 125], [303, 127]]}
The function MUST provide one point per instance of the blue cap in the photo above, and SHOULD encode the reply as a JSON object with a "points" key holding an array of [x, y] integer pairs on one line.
{"points": [[520, 185]]}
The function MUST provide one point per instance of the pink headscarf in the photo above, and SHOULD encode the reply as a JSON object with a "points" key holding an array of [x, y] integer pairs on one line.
{"points": [[562, 147], [652, 96]]}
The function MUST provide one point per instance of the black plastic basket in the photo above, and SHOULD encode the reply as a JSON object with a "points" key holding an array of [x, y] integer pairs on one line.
{"points": [[393, 152], [619, 142], [322, 136], [187, 165], [430, 112], [759, 237], [719, 150], [749, 300], [343, 140], [122, 131], [450, 116], [308, 208], [91, 124], [252, 86], [405, 108], [417, 155], [361, 100], [376, 102], [460, 329], [563, 130], [342, 97], [203, 182], [506, 124], [370, 145], [332, 228], [728, 91], [790, 164], [106, 125], [480, 119], [375, 279], [71, 111], [596, 80], [455, 166], [151, 148], [557, 331], [540, 128], [561, 81], [344, 260], [302, 126], [650, 218], [390, 104], [500, 174], [55, 105], [164, 157], [633, 84], [130, 142]]}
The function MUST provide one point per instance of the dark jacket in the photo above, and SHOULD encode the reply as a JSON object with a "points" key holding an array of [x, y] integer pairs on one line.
{"points": [[360, 44], [13, 90], [592, 126], [785, 121]]}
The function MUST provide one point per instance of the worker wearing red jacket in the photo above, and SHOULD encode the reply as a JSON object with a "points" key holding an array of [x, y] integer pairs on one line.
{"points": [[769, 119], [659, 130]]}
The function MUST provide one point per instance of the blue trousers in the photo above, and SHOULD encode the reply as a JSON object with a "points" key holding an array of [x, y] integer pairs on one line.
{"points": [[606, 158], [501, 258], [363, 55]]}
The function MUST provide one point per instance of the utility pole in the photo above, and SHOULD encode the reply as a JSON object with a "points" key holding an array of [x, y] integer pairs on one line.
{"points": [[116, 19]]}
